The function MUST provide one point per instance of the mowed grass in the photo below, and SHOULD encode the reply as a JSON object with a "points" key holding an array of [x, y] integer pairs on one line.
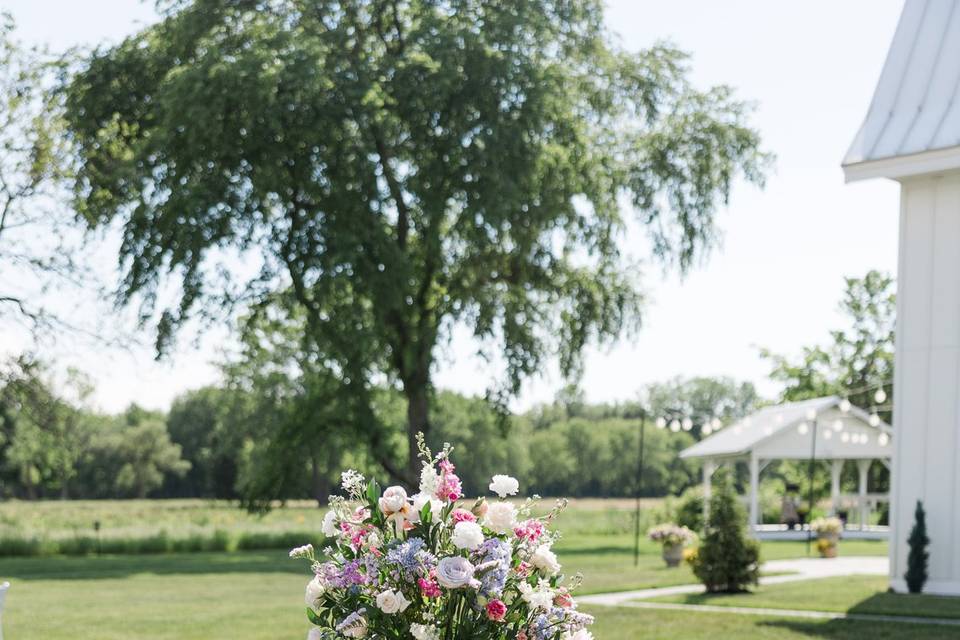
{"points": [[853, 594]]}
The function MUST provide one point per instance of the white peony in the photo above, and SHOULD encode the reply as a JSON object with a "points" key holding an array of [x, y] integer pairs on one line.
{"points": [[545, 559], [329, 526], [504, 486], [314, 592], [467, 535], [424, 631], [394, 499], [390, 601], [500, 517], [539, 597], [421, 499]]}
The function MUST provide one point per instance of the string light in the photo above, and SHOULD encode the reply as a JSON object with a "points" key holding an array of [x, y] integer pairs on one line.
{"points": [[844, 437], [827, 435], [707, 429], [687, 424], [883, 439], [811, 414], [845, 405], [661, 423], [675, 425], [874, 419], [716, 424], [803, 429], [838, 425], [880, 396]]}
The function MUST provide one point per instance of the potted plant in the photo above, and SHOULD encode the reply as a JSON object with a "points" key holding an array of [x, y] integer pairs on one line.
{"points": [[673, 539], [828, 532]]}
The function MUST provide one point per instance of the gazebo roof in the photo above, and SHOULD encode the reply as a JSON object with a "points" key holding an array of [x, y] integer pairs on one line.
{"points": [[774, 432], [913, 124]]}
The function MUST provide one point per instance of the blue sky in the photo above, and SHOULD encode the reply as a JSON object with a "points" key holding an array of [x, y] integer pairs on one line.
{"points": [[776, 281]]}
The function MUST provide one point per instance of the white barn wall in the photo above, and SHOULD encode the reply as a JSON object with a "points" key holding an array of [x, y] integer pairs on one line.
{"points": [[927, 386]]}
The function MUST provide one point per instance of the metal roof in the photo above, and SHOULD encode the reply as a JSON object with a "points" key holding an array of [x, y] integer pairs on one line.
{"points": [[741, 437], [916, 105]]}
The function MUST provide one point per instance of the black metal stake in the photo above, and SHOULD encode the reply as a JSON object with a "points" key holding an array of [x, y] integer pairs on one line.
{"points": [[813, 456], [636, 528]]}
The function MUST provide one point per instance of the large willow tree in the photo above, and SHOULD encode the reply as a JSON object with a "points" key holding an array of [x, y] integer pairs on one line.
{"points": [[401, 167]]}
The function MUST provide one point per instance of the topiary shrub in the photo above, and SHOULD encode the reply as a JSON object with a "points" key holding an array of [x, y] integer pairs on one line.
{"points": [[918, 557], [690, 509], [727, 560]]}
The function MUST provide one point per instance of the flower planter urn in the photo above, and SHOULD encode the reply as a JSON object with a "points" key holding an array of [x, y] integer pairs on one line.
{"points": [[672, 554]]}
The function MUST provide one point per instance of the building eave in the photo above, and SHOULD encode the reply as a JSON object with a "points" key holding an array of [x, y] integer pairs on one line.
{"points": [[905, 166]]}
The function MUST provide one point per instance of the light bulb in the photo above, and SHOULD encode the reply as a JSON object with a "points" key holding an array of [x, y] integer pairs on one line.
{"points": [[845, 405], [687, 424], [827, 435], [811, 414], [803, 429], [844, 437], [707, 430], [874, 419], [880, 396], [716, 424], [661, 423], [838, 425], [883, 439], [675, 425]]}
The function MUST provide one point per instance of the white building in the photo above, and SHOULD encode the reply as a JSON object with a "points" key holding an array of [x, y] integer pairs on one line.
{"points": [[912, 134]]}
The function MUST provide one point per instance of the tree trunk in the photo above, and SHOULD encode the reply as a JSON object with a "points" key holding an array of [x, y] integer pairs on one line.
{"points": [[319, 482], [418, 421]]}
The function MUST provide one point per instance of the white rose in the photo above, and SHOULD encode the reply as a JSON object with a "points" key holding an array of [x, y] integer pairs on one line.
{"points": [[467, 535], [424, 632], [500, 517], [394, 499], [421, 499], [329, 526], [390, 601], [504, 486], [545, 559], [314, 592]]}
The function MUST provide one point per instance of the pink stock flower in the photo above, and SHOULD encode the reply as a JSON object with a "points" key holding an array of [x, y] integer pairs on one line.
{"points": [[429, 588], [530, 530], [462, 515], [496, 610], [450, 487]]}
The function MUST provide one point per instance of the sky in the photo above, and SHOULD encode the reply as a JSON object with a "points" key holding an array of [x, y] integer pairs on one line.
{"points": [[775, 282]]}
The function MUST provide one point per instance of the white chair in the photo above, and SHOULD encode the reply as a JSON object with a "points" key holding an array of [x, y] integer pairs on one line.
{"points": [[3, 596]]}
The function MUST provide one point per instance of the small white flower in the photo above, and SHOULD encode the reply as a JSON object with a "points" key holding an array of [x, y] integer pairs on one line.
{"points": [[329, 526], [545, 560], [504, 486], [424, 631], [539, 597], [467, 535], [390, 601], [306, 551], [315, 590], [500, 517], [352, 481]]}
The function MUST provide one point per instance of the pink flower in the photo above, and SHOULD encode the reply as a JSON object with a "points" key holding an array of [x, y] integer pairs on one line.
{"points": [[450, 487], [462, 515], [530, 530], [496, 610], [523, 569], [428, 588], [563, 599], [521, 635]]}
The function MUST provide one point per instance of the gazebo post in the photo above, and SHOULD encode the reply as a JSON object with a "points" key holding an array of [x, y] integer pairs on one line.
{"points": [[754, 491], [709, 466], [836, 467], [863, 466]]}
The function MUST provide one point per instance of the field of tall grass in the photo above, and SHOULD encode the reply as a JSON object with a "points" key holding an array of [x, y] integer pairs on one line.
{"points": [[86, 527]]}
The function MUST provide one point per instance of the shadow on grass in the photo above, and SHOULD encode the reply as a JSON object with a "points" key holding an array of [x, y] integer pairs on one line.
{"points": [[857, 629], [96, 568], [900, 604]]}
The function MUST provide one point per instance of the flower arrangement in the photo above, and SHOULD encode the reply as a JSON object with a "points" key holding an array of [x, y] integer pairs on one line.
{"points": [[827, 526], [671, 535], [827, 548], [426, 567]]}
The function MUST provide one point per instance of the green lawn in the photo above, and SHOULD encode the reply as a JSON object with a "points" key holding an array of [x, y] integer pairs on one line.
{"points": [[624, 623], [854, 594]]}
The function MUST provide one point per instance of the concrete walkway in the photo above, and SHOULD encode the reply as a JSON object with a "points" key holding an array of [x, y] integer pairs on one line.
{"points": [[795, 570]]}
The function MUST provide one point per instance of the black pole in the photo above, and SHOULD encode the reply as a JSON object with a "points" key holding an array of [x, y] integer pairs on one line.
{"points": [[636, 528], [813, 456]]}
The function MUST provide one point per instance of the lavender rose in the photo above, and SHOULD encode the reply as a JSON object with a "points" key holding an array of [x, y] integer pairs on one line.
{"points": [[454, 572]]}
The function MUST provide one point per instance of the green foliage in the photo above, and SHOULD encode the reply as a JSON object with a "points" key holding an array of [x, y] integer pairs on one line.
{"points": [[689, 509], [919, 557], [727, 560], [407, 168]]}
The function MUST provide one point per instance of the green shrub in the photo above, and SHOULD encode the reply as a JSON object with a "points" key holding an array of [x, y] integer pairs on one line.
{"points": [[727, 560], [690, 509], [918, 557]]}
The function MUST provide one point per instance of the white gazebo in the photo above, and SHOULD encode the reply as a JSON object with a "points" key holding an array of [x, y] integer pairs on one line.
{"points": [[824, 428], [911, 134]]}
